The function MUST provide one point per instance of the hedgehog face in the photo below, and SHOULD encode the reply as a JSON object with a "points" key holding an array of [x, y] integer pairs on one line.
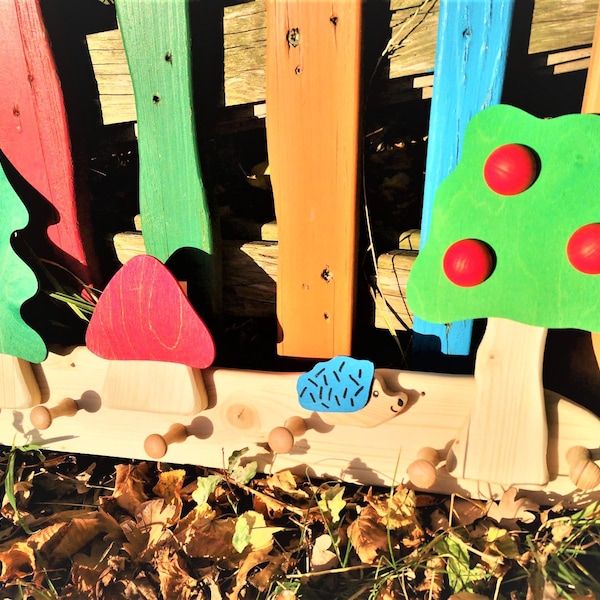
{"points": [[383, 405]]}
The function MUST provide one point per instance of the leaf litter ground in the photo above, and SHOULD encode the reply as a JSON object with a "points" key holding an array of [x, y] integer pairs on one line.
{"points": [[84, 527]]}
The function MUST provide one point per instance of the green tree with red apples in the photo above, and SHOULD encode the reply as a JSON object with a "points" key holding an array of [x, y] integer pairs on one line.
{"points": [[515, 236]]}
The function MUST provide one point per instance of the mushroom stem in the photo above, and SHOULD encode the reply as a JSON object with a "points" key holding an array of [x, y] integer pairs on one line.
{"points": [[584, 472]]}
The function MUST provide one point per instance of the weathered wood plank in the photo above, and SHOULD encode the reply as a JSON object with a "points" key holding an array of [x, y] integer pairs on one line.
{"points": [[244, 43], [556, 26], [250, 278]]}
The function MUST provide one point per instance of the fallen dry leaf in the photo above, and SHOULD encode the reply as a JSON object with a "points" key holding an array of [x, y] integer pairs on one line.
{"points": [[169, 486], [208, 538], [154, 518], [175, 581], [129, 486], [137, 540], [368, 536], [83, 580], [322, 557], [434, 579], [17, 562], [396, 511], [249, 561], [509, 511], [70, 537], [466, 511], [286, 483]]}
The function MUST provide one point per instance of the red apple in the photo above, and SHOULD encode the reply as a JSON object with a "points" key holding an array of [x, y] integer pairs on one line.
{"points": [[583, 249], [468, 262], [510, 169]]}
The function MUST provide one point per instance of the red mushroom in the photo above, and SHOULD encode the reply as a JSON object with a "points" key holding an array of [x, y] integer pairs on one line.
{"points": [[145, 325]]}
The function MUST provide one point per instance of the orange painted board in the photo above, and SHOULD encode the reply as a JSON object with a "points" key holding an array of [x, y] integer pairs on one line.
{"points": [[34, 133], [313, 108], [143, 314]]}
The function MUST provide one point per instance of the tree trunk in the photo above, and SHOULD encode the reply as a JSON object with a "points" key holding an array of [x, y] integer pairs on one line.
{"points": [[507, 434], [18, 386]]}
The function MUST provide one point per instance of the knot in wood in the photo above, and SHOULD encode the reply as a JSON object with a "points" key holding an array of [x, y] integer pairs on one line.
{"points": [[293, 37]]}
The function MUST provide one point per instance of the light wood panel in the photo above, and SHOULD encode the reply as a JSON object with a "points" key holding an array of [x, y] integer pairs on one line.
{"points": [[244, 406]]}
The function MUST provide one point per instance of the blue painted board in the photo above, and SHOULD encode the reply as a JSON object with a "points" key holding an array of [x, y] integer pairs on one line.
{"points": [[472, 47]]}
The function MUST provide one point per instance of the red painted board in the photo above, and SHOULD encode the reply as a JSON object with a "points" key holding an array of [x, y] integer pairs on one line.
{"points": [[143, 314], [34, 132], [313, 108]]}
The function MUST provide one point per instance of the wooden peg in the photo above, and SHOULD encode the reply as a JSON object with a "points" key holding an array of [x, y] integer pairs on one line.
{"points": [[584, 472], [42, 417], [156, 445], [422, 472], [282, 439]]}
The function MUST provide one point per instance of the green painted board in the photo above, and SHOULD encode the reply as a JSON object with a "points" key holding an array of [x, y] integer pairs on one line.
{"points": [[19, 283], [173, 201], [533, 281]]}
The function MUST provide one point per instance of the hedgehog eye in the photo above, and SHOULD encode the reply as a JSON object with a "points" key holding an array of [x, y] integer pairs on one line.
{"points": [[375, 393]]}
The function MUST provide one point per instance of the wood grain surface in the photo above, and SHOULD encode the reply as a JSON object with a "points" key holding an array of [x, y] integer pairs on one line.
{"points": [[244, 406], [313, 99], [35, 136]]}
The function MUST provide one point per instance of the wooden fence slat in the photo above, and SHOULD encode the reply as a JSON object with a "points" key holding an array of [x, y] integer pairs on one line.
{"points": [[173, 201], [313, 105], [35, 134], [472, 48]]}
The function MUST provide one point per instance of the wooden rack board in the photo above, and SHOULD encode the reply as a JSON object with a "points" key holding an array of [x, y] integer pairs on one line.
{"points": [[245, 405]]}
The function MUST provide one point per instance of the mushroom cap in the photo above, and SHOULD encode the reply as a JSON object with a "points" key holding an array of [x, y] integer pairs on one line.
{"points": [[143, 314], [341, 384]]}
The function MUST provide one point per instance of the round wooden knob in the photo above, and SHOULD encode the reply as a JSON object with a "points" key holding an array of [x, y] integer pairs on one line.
{"points": [[156, 445], [41, 417], [422, 472], [281, 440], [584, 472]]}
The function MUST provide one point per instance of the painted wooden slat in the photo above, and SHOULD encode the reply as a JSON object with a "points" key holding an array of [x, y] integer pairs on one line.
{"points": [[34, 133], [19, 343], [591, 104], [173, 200], [19, 283], [472, 47], [313, 76]]}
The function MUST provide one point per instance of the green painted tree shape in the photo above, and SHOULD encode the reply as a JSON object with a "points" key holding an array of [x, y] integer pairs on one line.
{"points": [[18, 282], [515, 237]]}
